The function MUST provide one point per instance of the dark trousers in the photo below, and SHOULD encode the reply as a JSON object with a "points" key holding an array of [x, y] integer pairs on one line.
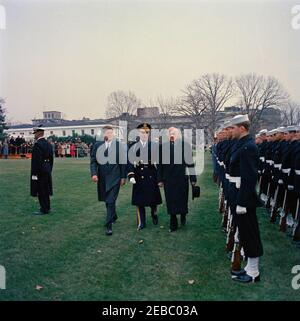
{"points": [[249, 232], [174, 221], [110, 214], [44, 200], [141, 215]]}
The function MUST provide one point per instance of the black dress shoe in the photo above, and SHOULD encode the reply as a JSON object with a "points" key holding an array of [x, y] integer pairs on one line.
{"points": [[238, 273], [115, 218], [39, 213], [155, 219], [108, 231], [245, 278], [173, 229]]}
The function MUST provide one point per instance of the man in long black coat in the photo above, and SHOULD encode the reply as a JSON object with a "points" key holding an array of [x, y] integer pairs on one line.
{"points": [[108, 170], [173, 176], [142, 173], [41, 169]]}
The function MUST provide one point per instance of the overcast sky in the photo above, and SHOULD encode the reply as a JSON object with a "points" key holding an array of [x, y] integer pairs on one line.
{"points": [[70, 55]]}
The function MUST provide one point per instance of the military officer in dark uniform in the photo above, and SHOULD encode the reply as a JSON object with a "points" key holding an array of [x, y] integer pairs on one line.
{"points": [[243, 174], [41, 169], [142, 173], [108, 170], [173, 176]]}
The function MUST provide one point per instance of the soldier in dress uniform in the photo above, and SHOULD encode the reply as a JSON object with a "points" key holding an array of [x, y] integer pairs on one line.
{"points": [[243, 174], [142, 173], [287, 179], [41, 169], [173, 176], [296, 166], [108, 170]]}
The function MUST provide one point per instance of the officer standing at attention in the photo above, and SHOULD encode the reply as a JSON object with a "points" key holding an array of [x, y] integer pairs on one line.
{"points": [[41, 169], [142, 173], [243, 174]]}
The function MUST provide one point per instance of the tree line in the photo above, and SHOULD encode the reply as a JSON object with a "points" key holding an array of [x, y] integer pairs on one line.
{"points": [[203, 98]]}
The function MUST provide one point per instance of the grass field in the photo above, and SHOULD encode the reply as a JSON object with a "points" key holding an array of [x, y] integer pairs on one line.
{"points": [[68, 254]]}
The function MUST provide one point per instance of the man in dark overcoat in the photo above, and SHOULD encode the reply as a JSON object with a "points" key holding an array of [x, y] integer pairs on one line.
{"points": [[108, 170], [175, 174], [41, 171]]}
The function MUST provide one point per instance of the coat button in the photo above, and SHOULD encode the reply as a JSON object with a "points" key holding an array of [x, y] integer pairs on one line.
{"points": [[142, 169], [142, 177]]}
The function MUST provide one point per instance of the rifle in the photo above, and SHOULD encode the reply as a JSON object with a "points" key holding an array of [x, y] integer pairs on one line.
{"points": [[296, 228], [259, 184], [282, 223], [221, 200], [236, 253], [274, 207], [225, 219], [268, 192], [230, 234]]}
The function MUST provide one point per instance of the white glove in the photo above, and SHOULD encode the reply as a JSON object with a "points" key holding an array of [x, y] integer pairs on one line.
{"points": [[34, 177], [280, 181], [132, 180], [241, 209], [290, 187]]}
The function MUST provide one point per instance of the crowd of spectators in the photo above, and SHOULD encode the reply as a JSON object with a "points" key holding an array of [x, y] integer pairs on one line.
{"points": [[18, 146]]}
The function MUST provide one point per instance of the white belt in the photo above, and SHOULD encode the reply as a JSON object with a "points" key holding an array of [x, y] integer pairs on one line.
{"points": [[222, 164], [262, 158], [286, 170], [297, 171], [278, 166], [236, 180], [228, 176], [270, 162]]}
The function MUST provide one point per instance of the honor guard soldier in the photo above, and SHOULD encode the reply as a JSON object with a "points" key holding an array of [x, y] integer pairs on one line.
{"points": [[243, 174], [108, 170], [41, 169], [142, 173]]}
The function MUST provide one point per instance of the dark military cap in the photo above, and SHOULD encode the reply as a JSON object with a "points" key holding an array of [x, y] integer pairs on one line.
{"points": [[145, 126]]}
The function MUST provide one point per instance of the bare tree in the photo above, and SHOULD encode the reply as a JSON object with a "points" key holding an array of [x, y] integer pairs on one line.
{"points": [[192, 103], [167, 108], [3, 126], [217, 90], [204, 98], [257, 93], [290, 113], [120, 102]]}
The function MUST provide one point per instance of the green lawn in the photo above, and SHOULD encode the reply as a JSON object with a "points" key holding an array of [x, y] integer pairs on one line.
{"points": [[68, 254]]}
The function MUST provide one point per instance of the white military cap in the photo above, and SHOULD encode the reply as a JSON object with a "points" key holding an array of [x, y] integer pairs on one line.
{"points": [[38, 129], [292, 128], [238, 119], [272, 132], [262, 132], [226, 124], [281, 130]]}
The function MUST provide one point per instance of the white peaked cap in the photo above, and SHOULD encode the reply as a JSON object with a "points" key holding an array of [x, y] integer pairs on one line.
{"points": [[292, 128], [262, 132], [226, 124], [281, 130], [238, 119]]}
